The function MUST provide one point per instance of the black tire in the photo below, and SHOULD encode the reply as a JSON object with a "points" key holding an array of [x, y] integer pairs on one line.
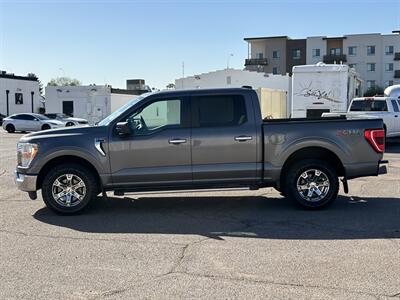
{"points": [[82, 173], [46, 126], [308, 166], [69, 124], [10, 128]]}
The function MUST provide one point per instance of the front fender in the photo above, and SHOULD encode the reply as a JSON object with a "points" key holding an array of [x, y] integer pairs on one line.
{"points": [[98, 162]]}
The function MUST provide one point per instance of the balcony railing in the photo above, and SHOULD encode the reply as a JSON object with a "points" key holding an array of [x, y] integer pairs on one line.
{"points": [[332, 58], [397, 74], [256, 61], [397, 56]]}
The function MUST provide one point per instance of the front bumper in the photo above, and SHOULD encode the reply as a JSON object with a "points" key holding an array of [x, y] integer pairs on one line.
{"points": [[26, 183]]}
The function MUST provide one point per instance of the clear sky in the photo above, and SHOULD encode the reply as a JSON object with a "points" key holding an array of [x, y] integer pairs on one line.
{"points": [[107, 41]]}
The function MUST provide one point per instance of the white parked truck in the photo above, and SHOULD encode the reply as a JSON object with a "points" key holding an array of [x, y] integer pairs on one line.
{"points": [[321, 88], [385, 108]]}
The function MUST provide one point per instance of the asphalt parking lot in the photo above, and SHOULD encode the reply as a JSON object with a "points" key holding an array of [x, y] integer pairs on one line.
{"points": [[212, 246]]}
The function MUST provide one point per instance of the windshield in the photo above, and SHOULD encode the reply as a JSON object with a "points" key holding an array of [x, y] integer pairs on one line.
{"points": [[120, 110], [368, 105]]}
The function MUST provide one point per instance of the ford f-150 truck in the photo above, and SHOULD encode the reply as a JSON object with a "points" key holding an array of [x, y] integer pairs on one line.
{"points": [[198, 139]]}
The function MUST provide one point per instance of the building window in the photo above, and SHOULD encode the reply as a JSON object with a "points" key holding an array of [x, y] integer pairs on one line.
{"points": [[352, 51], [389, 50], [336, 51], [370, 84], [316, 52], [370, 50], [371, 67], [276, 54], [274, 70], [353, 66], [296, 53], [228, 79], [389, 83], [19, 99], [389, 67], [259, 55]]}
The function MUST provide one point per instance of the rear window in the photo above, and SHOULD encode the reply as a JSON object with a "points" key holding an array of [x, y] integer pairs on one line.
{"points": [[224, 110], [395, 106], [368, 105]]}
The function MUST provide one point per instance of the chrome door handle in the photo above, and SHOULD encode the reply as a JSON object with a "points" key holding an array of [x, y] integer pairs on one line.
{"points": [[243, 138], [177, 141]]}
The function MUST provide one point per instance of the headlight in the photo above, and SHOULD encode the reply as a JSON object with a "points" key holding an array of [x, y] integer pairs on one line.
{"points": [[26, 152]]}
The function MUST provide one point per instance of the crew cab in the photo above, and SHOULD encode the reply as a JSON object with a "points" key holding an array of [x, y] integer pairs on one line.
{"points": [[198, 139], [385, 108]]}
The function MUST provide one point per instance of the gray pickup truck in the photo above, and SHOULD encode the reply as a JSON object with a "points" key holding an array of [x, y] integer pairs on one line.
{"points": [[198, 139]]}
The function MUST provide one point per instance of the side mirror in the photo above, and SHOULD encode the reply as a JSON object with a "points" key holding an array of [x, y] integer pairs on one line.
{"points": [[123, 129]]}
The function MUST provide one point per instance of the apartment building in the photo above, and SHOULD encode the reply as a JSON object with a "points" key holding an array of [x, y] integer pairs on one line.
{"points": [[276, 54], [375, 56]]}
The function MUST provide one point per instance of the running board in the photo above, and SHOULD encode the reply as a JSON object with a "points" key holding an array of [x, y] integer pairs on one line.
{"points": [[123, 193]]}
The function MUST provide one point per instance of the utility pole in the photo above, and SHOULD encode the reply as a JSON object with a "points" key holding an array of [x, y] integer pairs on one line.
{"points": [[183, 73], [227, 63]]}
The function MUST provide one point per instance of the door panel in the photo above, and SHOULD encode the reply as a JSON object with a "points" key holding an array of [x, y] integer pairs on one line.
{"points": [[224, 145], [151, 159], [158, 152], [396, 116], [24, 122]]}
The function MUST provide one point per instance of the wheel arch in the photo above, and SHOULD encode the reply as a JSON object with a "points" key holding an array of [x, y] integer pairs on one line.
{"points": [[313, 152], [66, 159]]}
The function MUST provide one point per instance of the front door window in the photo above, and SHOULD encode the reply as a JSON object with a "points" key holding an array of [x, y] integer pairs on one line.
{"points": [[156, 116]]}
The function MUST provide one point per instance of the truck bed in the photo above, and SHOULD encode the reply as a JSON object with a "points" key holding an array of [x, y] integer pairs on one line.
{"points": [[291, 120], [338, 135]]}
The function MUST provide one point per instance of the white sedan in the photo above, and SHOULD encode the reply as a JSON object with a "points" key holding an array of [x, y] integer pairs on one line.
{"points": [[68, 121], [29, 122]]}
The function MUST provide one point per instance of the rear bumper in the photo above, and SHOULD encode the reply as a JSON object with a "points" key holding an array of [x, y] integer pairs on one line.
{"points": [[26, 183], [366, 169]]}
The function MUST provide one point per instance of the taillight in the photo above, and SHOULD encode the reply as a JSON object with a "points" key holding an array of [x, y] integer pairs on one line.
{"points": [[376, 138]]}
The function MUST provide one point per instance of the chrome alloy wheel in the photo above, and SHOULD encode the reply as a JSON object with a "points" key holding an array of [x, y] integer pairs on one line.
{"points": [[313, 185], [68, 190]]}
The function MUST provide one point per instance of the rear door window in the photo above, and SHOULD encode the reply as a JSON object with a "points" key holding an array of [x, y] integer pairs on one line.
{"points": [[221, 111], [368, 105], [395, 106]]}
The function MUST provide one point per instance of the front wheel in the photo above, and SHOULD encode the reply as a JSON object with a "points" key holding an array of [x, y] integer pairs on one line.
{"points": [[69, 188], [313, 184]]}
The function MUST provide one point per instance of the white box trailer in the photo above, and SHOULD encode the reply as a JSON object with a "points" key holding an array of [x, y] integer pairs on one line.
{"points": [[321, 88], [92, 102]]}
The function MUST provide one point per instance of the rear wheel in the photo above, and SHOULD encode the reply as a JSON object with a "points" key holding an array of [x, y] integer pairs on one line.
{"points": [[69, 188], [46, 126], [10, 128], [69, 124], [313, 184]]}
